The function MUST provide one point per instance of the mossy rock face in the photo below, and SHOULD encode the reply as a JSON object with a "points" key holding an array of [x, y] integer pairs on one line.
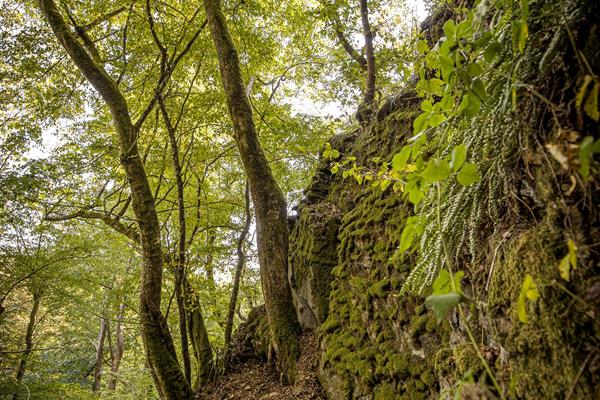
{"points": [[379, 344], [252, 338], [312, 256]]}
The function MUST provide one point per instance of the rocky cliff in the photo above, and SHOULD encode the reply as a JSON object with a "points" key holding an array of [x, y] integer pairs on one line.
{"points": [[347, 272]]}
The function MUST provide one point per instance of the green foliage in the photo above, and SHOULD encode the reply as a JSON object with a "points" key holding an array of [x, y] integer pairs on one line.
{"points": [[568, 262], [529, 292], [446, 293]]}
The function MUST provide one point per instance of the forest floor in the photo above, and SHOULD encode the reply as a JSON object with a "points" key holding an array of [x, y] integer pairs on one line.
{"points": [[255, 380]]}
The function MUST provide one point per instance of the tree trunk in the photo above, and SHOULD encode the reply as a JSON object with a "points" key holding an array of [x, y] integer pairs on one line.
{"points": [[241, 259], [99, 355], [117, 352], [198, 336], [369, 98], [269, 203], [28, 339], [180, 272], [160, 351], [210, 267]]}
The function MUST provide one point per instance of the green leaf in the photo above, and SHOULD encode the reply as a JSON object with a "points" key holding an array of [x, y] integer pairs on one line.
{"points": [[478, 88], [582, 90], [491, 51], [591, 104], [442, 283], [413, 227], [449, 29], [586, 148], [435, 119], [415, 196], [522, 35], [569, 261], [447, 103], [442, 303], [468, 175], [420, 123], [334, 169], [474, 69], [572, 253], [436, 170], [529, 291], [564, 268], [459, 155], [470, 105], [400, 159]]}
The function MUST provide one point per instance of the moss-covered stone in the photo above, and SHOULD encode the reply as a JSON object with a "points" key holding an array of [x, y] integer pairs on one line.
{"points": [[378, 343]]}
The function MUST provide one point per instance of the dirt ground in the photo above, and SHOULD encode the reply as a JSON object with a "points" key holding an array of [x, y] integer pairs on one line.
{"points": [[254, 380]]}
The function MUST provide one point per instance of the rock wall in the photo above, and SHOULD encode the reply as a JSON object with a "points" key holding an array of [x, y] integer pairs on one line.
{"points": [[346, 270]]}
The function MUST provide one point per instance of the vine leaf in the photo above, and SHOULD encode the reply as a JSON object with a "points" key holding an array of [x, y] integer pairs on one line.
{"points": [[459, 155], [468, 175], [442, 303], [436, 171]]}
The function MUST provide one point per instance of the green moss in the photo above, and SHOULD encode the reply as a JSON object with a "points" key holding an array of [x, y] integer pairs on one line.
{"points": [[384, 392], [380, 289], [428, 378], [331, 324]]}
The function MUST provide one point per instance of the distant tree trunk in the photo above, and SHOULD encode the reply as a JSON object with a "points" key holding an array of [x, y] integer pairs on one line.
{"points": [[160, 350], [241, 259], [269, 203], [180, 272], [28, 338], [369, 99], [198, 336], [117, 351], [210, 268], [99, 355]]}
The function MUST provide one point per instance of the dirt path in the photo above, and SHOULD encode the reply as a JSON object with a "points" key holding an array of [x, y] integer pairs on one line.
{"points": [[258, 381]]}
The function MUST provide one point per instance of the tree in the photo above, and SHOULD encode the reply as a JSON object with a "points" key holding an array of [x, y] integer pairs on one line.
{"points": [[269, 203], [170, 382]]}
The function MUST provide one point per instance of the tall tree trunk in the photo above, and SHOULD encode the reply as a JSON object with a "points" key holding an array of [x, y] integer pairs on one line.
{"points": [[210, 267], [198, 336], [117, 351], [160, 350], [180, 272], [269, 203], [28, 338], [241, 259], [369, 98], [99, 355]]}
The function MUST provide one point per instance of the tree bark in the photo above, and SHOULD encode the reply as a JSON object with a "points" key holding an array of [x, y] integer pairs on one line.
{"points": [[269, 203], [180, 272], [241, 260], [160, 351], [370, 55], [28, 339], [119, 348], [99, 356], [198, 336]]}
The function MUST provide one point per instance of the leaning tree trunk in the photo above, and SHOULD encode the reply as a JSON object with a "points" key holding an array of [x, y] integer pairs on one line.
{"points": [[160, 351], [269, 203], [369, 98], [117, 351], [241, 259], [198, 335], [181, 242], [28, 339], [99, 355]]}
